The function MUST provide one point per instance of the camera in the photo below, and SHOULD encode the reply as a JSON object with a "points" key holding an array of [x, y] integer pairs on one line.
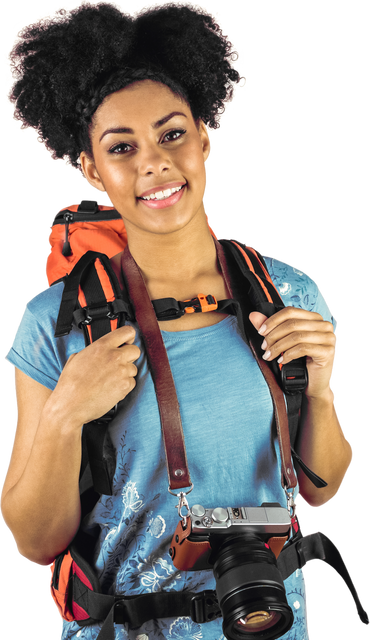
{"points": [[240, 545]]}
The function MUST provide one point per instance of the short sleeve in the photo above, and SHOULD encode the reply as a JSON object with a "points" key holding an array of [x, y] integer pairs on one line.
{"points": [[35, 350], [297, 289]]}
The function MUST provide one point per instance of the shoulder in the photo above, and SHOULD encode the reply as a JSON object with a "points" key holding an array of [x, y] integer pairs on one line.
{"points": [[35, 349], [46, 298], [45, 306], [297, 289]]}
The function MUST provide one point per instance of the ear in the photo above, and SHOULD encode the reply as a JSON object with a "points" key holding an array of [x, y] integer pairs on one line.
{"points": [[203, 134], [90, 171]]}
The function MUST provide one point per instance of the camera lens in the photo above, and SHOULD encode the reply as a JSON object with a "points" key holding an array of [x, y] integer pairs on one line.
{"points": [[257, 621], [250, 590]]}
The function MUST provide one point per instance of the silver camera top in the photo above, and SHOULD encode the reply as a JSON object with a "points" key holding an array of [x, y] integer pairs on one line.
{"points": [[267, 519]]}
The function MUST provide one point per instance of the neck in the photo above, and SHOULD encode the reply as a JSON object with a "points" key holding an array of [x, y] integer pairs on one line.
{"points": [[175, 261]]}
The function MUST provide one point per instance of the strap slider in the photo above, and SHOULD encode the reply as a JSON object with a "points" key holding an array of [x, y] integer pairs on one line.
{"points": [[204, 607], [294, 377], [110, 310]]}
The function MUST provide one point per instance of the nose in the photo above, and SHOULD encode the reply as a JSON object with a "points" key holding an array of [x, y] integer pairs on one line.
{"points": [[154, 160]]}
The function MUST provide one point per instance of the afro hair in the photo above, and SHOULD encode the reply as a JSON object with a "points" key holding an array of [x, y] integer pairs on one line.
{"points": [[64, 67]]}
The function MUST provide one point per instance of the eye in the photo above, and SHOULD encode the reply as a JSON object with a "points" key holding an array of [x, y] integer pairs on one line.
{"points": [[117, 147], [122, 148], [175, 132]]}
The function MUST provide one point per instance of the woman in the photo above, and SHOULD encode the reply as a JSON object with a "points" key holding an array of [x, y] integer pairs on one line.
{"points": [[128, 101]]}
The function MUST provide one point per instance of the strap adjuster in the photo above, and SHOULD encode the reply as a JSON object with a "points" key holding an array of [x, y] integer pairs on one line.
{"points": [[204, 607], [200, 304], [171, 309], [294, 377], [110, 310]]}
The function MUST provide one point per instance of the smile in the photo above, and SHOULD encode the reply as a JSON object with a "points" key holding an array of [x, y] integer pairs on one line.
{"points": [[165, 198]]}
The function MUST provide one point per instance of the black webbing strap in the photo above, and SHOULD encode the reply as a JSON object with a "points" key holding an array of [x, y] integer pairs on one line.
{"points": [[170, 308], [136, 610], [69, 300], [84, 274], [251, 265], [317, 547], [202, 606]]}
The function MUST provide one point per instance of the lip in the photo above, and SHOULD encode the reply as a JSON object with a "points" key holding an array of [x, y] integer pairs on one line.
{"points": [[162, 187], [166, 202]]}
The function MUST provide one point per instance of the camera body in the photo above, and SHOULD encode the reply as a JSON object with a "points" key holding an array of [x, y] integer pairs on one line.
{"points": [[194, 548], [240, 545]]}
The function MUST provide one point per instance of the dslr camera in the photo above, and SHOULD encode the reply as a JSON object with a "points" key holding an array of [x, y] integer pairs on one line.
{"points": [[241, 546]]}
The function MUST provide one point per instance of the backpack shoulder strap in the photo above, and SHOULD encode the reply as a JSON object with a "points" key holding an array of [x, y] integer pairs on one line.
{"points": [[93, 285], [92, 298], [252, 286], [252, 268]]}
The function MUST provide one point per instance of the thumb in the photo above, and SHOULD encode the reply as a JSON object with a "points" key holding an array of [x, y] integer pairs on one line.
{"points": [[257, 319]]}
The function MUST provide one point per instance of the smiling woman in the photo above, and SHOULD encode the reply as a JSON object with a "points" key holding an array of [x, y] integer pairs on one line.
{"points": [[143, 146], [128, 102]]}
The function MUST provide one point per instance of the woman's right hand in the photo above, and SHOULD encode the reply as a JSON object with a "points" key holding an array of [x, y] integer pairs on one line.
{"points": [[96, 378]]}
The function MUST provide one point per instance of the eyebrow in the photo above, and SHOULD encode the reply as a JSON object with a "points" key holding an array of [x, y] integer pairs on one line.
{"points": [[155, 125]]}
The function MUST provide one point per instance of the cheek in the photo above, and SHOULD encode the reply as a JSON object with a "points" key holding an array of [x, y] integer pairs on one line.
{"points": [[115, 178], [194, 163]]}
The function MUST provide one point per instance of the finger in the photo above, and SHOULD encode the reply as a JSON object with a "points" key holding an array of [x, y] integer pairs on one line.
{"points": [[298, 340], [321, 355], [131, 370], [129, 353], [118, 337], [257, 319], [290, 348], [289, 314], [299, 331]]}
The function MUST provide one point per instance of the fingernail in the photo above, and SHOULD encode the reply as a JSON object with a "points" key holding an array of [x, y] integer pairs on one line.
{"points": [[280, 360], [262, 330], [264, 345], [266, 355]]}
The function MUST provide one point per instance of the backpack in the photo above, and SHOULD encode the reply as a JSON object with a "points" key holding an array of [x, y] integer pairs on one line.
{"points": [[83, 240]]}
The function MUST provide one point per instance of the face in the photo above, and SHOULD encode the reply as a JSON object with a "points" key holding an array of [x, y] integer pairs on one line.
{"points": [[148, 155]]}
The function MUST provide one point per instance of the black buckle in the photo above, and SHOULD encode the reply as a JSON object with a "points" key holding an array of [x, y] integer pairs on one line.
{"points": [[110, 310], [204, 607], [294, 377]]}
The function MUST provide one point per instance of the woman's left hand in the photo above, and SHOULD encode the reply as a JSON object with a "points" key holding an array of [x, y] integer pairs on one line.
{"points": [[292, 333]]}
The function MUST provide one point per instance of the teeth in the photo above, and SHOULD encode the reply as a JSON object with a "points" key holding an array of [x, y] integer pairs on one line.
{"points": [[161, 195]]}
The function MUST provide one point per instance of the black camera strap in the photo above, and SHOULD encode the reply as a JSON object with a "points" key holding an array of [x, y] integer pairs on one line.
{"points": [[300, 550]]}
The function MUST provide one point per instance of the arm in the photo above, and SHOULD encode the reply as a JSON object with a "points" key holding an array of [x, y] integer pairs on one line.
{"points": [[40, 500], [292, 333], [323, 447]]}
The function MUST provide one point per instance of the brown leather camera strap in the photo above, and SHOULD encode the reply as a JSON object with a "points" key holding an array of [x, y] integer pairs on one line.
{"points": [[173, 437], [169, 411]]}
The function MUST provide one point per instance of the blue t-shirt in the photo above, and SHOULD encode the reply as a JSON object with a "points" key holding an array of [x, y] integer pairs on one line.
{"points": [[232, 451]]}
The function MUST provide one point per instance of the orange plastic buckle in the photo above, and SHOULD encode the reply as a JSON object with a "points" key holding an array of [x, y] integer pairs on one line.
{"points": [[201, 303]]}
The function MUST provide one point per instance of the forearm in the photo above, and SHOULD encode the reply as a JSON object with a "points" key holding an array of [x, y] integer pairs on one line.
{"points": [[43, 508], [322, 447]]}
